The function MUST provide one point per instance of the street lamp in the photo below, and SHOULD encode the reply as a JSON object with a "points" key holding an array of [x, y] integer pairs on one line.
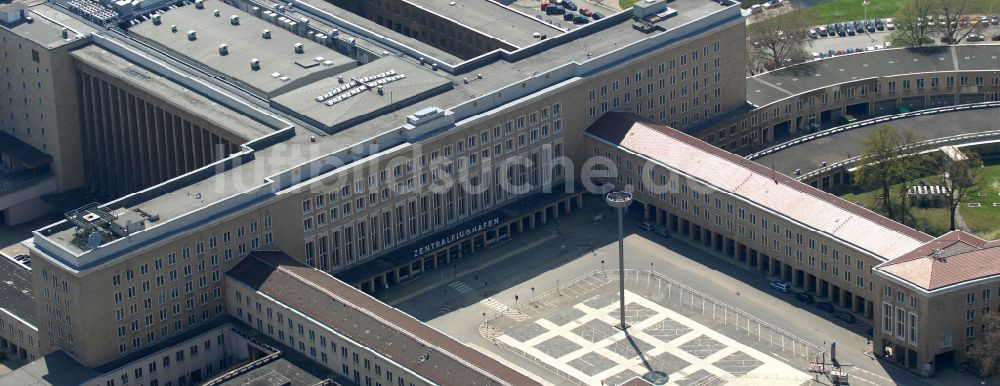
{"points": [[865, 3], [620, 201]]}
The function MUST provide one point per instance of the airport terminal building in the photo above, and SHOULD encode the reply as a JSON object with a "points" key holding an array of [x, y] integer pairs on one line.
{"points": [[251, 149]]}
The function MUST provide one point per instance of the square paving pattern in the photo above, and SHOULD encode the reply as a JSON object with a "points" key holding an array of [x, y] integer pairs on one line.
{"points": [[580, 340]]}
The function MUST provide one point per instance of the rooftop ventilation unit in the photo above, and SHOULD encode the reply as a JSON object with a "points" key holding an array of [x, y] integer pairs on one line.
{"points": [[234, 20], [199, 4], [192, 35], [173, 28], [266, 34], [223, 50], [156, 20], [299, 48], [65, 33], [216, 13], [255, 64]]}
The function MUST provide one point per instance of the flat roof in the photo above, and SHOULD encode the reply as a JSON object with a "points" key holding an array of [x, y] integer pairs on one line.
{"points": [[56, 369], [244, 42], [490, 18], [16, 294], [772, 191], [773, 86], [383, 329], [46, 27], [809, 156], [172, 93], [401, 81], [372, 26], [582, 52]]}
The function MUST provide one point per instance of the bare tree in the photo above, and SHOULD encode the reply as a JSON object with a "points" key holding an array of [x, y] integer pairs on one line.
{"points": [[777, 41], [986, 354], [885, 161], [956, 25], [959, 178], [911, 26]]}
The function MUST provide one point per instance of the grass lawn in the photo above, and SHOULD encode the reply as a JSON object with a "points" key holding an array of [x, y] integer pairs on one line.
{"points": [[832, 11], [626, 4], [984, 221], [842, 10], [933, 221]]}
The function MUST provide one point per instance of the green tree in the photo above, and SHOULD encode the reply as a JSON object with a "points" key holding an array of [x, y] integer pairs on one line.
{"points": [[909, 169], [959, 177], [885, 161]]}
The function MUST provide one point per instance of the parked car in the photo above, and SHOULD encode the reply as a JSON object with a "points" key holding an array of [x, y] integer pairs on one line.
{"points": [[975, 38], [995, 19], [569, 5], [569, 16], [846, 316], [780, 286], [553, 9], [805, 298], [646, 226], [580, 19], [825, 306], [756, 8], [995, 38], [879, 25], [545, 4], [662, 231], [889, 25], [597, 16], [850, 31], [586, 12], [822, 31], [813, 33], [858, 26]]}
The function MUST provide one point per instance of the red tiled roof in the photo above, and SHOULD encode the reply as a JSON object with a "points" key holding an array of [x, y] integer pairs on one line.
{"points": [[371, 323], [963, 257], [774, 191]]}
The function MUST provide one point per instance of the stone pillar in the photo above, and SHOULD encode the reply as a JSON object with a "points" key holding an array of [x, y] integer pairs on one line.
{"points": [[545, 215], [659, 216], [645, 211]]}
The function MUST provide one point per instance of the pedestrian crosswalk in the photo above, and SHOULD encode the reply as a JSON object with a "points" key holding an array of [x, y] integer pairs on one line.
{"points": [[460, 287], [493, 303]]}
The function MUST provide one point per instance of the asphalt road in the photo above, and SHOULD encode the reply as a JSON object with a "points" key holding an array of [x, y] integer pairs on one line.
{"points": [[542, 262]]}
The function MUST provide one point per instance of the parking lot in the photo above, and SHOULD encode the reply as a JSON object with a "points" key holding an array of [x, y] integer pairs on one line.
{"points": [[534, 9], [526, 269]]}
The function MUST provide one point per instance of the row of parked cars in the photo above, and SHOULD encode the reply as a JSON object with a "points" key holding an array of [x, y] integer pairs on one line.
{"points": [[963, 21], [567, 8], [832, 53], [806, 298], [852, 28]]}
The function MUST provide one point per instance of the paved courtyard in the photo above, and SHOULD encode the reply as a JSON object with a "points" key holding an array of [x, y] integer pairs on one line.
{"points": [[572, 334]]}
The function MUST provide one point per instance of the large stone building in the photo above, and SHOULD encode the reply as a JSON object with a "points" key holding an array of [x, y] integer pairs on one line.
{"points": [[375, 150]]}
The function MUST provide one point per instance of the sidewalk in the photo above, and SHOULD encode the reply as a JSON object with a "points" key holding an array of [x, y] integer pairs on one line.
{"points": [[516, 245]]}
